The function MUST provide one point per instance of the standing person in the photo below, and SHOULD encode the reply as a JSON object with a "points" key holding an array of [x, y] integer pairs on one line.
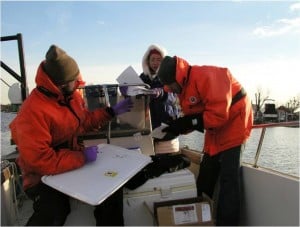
{"points": [[164, 106], [212, 100], [45, 132]]}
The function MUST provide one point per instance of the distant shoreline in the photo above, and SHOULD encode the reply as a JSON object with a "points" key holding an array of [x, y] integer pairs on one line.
{"points": [[10, 108]]}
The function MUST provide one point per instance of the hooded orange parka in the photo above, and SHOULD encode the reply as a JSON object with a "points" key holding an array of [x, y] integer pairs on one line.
{"points": [[46, 129], [209, 90]]}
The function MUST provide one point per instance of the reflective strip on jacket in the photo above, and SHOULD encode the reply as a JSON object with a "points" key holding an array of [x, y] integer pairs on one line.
{"points": [[46, 128], [209, 90]]}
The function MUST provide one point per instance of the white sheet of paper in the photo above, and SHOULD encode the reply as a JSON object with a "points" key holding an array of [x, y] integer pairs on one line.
{"points": [[129, 76], [157, 132], [206, 215], [96, 181]]}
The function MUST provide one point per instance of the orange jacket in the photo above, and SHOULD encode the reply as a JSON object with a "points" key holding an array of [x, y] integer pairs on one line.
{"points": [[209, 90], [46, 129]]}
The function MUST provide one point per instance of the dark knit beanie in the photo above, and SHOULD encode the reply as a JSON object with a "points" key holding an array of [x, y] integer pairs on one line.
{"points": [[60, 67], [167, 70]]}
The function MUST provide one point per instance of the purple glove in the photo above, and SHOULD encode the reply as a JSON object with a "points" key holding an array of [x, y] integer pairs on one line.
{"points": [[90, 153], [156, 92], [123, 90], [123, 106]]}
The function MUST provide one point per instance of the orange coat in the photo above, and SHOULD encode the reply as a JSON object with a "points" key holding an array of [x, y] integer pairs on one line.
{"points": [[46, 129], [209, 90]]}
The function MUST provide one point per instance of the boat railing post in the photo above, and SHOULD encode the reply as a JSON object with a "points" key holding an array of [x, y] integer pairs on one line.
{"points": [[262, 135], [108, 104], [22, 67]]}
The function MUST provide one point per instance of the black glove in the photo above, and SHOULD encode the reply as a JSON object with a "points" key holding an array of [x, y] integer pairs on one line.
{"points": [[185, 124]]}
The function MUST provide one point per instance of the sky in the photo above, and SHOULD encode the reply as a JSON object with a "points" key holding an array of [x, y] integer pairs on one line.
{"points": [[259, 41]]}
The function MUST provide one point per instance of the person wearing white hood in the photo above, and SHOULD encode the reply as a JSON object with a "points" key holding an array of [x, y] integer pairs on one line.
{"points": [[164, 106]]}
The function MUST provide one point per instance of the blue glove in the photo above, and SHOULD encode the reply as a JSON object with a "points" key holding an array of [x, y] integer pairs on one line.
{"points": [[90, 154], [185, 124], [123, 90], [123, 106]]}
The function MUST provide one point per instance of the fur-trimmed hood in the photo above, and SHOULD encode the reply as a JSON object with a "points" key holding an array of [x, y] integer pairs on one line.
{"points": [[145, 65]]}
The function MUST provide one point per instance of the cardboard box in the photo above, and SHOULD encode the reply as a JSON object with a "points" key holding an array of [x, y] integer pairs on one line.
{"points": [[138, 203], [194, 211]]}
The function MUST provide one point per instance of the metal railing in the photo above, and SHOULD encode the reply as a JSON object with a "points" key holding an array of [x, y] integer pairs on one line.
{"points": [[21, 78], [263, 131]]}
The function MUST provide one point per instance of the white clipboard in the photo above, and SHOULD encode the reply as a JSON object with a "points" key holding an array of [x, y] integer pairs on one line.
{"points": [[96, 181]]}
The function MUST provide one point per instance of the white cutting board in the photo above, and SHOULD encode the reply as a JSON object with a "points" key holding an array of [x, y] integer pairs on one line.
{"points": [[96, 181]]}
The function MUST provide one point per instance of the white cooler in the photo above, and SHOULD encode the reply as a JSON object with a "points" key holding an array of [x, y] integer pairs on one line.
{"points": [[138, 203]]}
